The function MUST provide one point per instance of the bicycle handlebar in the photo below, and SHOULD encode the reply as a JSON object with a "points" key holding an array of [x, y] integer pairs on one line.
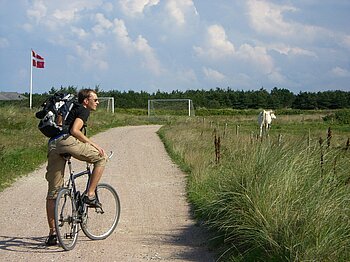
{"points": [[111, 153]]}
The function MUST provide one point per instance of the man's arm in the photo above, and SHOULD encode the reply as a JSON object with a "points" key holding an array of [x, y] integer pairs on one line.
{"points": [[76, 132]]}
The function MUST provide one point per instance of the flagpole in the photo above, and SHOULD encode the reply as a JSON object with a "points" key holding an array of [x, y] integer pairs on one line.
{"points": [[31, 79]]}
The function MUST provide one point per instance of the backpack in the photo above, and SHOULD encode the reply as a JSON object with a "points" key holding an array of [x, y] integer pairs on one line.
{"points": [[54, 113]]}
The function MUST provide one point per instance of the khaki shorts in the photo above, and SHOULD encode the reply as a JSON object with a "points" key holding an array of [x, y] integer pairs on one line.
{"points": [[56, 163]]}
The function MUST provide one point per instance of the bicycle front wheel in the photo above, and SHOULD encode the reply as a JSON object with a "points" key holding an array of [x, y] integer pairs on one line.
{"points": [[66, 219], [99, 223]]}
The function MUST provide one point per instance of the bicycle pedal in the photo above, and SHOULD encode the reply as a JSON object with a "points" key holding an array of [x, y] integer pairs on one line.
{"points": [[99, 210], [68, 235]]}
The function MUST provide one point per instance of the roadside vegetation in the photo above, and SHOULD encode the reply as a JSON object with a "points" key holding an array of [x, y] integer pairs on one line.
{"points": [[23, 147], [281, 198]]}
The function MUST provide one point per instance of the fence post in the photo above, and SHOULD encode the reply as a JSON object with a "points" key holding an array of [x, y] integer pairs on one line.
{"points": [[321, 160], [225, 129], [329, 137], [217, 144]]}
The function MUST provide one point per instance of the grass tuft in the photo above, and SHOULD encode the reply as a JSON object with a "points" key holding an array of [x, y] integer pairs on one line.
{"points": [[267, 200]]}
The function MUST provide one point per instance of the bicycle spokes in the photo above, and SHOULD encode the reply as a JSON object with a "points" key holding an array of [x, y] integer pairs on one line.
{"points": [[66, 219], [96, 222], [100, 222]]}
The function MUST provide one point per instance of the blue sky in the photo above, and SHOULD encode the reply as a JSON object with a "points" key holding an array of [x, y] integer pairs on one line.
{"points": [[166, 45]]}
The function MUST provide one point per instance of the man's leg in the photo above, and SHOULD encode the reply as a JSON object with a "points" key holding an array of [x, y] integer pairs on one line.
{"points": [[86, 152], [95, 178], [55, 177], [50, 211]]}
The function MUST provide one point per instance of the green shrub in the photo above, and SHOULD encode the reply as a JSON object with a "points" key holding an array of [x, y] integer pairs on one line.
{"points": [[340, 116]]}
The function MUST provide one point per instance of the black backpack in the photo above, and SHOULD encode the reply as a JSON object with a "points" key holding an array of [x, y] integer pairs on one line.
{"points": [[54, 113]]}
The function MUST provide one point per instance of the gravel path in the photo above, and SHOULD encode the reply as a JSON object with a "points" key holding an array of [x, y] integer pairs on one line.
{"points": [[155, 222]]}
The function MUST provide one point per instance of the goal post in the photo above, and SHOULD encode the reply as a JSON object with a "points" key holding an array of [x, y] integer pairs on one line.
{"points": [[106, 103], [170, 107]]}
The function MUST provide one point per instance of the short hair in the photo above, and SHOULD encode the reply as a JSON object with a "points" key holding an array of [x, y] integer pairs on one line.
{"points": [[84, 93]]}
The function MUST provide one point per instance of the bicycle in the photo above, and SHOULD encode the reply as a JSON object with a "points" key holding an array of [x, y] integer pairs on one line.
{"points": [[97, 223]]}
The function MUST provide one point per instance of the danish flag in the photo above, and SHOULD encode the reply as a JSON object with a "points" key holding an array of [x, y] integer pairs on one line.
{"points": [[37, 60]]}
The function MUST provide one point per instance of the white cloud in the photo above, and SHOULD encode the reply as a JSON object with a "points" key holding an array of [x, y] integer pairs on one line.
{"points": [[340, 72], [213, 74], [277, 78], [122, 34], [139, 46], [288, 50], [136, 7], [257, 56], [98, 46], [267, 17], [54, 14], [37, 11], [63, 40], [216, 46], [178, 9], [67, 15], [169, 42], [93, 57], [346, 41], [80, 32], [102, 24], [187, 76], [150, 60]]}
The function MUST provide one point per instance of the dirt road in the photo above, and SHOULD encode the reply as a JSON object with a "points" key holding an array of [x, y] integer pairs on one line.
{"points": [[155, 222]]}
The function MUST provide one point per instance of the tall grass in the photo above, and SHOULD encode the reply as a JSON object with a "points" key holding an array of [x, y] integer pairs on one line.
{"points": [[23, 147], [267, 201]]}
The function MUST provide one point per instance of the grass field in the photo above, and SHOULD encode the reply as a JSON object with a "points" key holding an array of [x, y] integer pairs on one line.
{"points": [[23, 148], [283, 198]]}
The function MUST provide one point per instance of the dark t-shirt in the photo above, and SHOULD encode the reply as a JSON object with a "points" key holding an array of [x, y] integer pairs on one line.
{"points": [[78, 111]]}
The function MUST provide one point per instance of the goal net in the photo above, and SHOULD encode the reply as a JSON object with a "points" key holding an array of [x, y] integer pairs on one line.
{"points": [[106, 104], [157, 107]]}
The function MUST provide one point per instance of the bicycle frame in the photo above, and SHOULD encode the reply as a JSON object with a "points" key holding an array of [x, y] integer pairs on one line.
{"points": [[70, 209], [73, 176], [72, 186]]}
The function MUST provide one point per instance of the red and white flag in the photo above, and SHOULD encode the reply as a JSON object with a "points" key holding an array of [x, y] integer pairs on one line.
{"points": [[37, 60]]}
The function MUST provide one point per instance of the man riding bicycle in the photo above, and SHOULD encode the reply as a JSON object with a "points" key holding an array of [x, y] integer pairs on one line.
{"points": [[78, 145]]}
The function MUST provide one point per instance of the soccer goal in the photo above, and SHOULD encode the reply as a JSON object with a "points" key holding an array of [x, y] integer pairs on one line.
{"points": [[106, 103], [158, 107]]}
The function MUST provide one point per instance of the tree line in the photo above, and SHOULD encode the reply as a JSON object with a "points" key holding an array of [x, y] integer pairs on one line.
{"points": [[219, 98], [227, 98]]}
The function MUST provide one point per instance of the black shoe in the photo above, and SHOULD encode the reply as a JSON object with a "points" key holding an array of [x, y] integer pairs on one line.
{"points": [[91, 202], [51, 240]]}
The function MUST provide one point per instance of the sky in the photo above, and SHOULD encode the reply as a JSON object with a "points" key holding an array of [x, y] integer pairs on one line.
{"points": [[166, 45]]}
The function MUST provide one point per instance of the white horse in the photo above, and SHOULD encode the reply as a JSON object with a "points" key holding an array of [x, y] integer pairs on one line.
{"points": [[264, 120]]}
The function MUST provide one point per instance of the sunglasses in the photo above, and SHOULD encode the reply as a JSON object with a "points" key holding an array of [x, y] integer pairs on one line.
{"points": [[95, 100]]}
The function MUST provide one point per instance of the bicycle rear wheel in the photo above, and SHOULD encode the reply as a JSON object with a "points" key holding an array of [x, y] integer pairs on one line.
{"points": [[66, 219], [99, 223]]}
